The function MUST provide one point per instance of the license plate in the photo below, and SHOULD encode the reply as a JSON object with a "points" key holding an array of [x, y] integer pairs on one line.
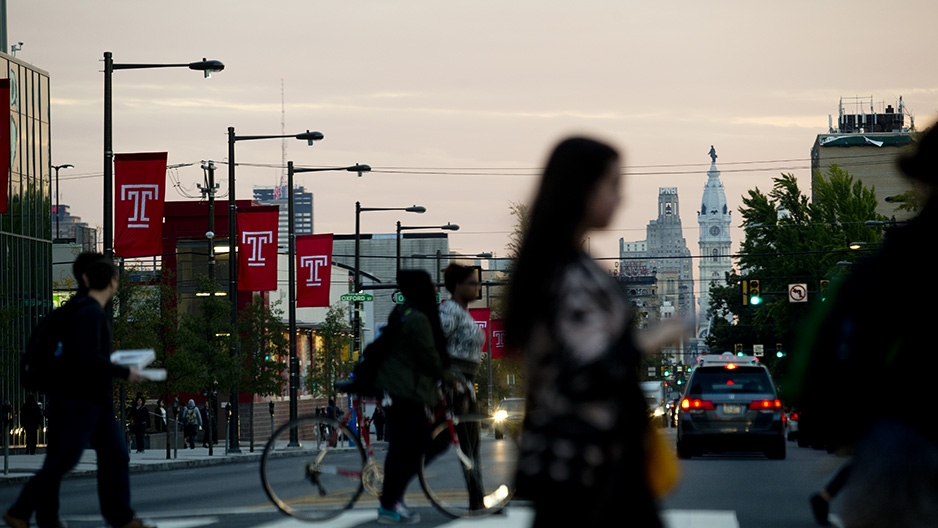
{"points": [[732, 408]]}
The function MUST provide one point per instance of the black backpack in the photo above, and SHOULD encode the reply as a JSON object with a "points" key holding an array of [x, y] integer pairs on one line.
{"points": [[41, 368], [365, 373]]}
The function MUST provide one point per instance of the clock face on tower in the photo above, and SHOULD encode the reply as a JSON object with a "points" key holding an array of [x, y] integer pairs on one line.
{"points": [[714, 230]]}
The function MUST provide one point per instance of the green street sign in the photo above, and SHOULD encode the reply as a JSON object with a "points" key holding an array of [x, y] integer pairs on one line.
{"points": [[398, 298], [356, 297]]}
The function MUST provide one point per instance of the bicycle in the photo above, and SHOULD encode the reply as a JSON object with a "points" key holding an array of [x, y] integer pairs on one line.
{"points": [[333, 476]]}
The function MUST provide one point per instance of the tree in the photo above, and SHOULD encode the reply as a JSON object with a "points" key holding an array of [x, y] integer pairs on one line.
{"points": [[332, 360], [264, 345], [790, 239], [202, 360]]}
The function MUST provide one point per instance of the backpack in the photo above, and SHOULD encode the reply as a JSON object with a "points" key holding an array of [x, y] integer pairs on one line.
{"points": [[365, 373], [41, 366], [191, 418]]}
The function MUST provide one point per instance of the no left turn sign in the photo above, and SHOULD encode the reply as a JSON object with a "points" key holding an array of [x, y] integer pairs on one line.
{"points": [[797, 293]]}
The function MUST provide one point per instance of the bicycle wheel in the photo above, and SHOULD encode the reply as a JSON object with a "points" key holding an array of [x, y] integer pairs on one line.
{"points": [[458, 489], [309, 479]]}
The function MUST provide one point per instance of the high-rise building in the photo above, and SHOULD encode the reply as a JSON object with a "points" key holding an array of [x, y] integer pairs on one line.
{"points": [[26, 226], [302, 210], [714, 219], [866, 144], [663, 255]]}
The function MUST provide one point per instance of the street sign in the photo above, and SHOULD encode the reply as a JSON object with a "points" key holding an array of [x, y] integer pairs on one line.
{"points": [[757, 350], [398, 298], [356, 297], [797, 293]]}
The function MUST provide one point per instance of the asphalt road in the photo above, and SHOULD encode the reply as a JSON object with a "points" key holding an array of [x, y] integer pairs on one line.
{"points": [[726, 491]]}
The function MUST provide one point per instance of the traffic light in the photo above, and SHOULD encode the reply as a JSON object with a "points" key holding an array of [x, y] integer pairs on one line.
{"points": [[665, 371], [823, 284], [778, 350], [755, 292], [738, 348]]}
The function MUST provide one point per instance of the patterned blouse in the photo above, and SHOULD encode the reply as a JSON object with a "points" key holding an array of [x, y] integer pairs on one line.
{"points": [[464, 338], [585, 415]]}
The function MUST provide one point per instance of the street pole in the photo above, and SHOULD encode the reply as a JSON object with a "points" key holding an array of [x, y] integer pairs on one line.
{"points": [[291, 283], [58, 210], [234, 430], [291, 295]]}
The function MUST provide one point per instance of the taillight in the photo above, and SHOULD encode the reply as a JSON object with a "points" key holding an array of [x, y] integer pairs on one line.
{"points": [[765, 405], [696, 404], [794, 417]]}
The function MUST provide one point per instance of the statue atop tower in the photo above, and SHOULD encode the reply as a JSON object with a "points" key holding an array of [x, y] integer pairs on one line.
{"points": [[713, 154]]}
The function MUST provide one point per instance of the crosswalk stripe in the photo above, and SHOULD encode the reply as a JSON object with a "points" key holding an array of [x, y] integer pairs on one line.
{"points": [[699, 519]]}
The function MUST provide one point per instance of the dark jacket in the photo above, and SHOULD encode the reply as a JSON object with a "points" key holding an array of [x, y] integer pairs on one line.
{"points": [[414, 366], [87, 356]]}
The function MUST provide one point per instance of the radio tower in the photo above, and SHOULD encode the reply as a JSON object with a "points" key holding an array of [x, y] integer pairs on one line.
{"points": [[283, 143]]}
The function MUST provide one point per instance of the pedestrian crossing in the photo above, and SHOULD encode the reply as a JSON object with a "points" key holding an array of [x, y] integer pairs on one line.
{"points": [[514, 517]]}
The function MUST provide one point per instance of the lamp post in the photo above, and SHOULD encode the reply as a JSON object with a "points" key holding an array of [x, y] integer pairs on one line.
{"points": [[58, 212], [206, 66], [356, 319], [235, 426], [447, 227], [291, 281]]}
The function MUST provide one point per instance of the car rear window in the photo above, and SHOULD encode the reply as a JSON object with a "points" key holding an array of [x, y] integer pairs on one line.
{"points": [[512, 405], [722, 381]]}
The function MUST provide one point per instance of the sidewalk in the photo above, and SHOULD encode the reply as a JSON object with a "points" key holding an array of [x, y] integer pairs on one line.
{"points": [[20, 467]]}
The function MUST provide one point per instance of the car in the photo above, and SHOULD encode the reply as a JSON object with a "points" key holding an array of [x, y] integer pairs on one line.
{"points": [[730, 404], [508, 417]]}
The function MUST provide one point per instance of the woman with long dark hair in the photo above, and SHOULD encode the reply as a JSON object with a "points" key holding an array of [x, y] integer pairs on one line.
{"points": [[582, 444], [409, 378]]}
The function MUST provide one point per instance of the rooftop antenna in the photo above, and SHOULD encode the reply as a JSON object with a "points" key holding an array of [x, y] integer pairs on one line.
{"points": [[283, 132]]}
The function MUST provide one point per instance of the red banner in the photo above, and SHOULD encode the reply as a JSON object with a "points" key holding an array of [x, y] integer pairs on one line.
{"points": [[313, 270], [139, 188], [5, 158], [481, 317], [257, 248], [498, 338]]}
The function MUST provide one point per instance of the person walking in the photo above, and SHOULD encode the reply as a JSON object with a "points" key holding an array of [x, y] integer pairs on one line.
{"points": [[464, 341], [31, 420], [191, 420], [82, 409], [891, 476], [582, 448], [409, 377], [140, 421], [160, 420]]}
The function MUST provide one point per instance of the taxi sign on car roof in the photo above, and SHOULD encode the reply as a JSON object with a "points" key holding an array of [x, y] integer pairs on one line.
{"points": [[725, 358]]}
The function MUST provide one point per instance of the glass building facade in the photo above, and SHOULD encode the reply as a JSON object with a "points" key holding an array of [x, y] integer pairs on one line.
{"points": [[26, 226]]}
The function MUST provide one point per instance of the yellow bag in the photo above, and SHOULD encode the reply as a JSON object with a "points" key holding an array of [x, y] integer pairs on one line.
{"points": [[661, 465]]}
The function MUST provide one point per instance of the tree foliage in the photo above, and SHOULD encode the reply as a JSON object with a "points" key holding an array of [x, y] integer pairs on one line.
{"points": [[790, 239], [264, 348], [332, 360], [202, 359]]}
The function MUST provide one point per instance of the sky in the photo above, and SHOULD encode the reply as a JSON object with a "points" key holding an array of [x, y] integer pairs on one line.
{"points": [[456, 105]]}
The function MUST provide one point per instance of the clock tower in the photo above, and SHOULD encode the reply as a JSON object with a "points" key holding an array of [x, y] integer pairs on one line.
{"points": [[714, 219]]}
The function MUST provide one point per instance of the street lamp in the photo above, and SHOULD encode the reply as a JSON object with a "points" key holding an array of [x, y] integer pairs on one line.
{"points": [[58, 212], [309, 137], [356, 320], [206, 66], [291, 281], [447, 227]]}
